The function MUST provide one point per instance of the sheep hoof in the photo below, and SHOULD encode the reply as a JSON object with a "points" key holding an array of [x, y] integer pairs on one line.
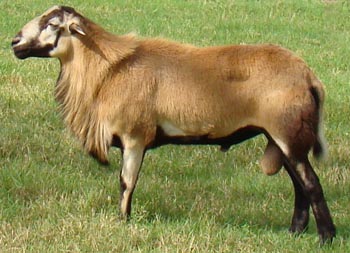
{"points": [[272, 160]]}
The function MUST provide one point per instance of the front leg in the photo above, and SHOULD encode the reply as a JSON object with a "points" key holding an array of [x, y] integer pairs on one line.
{"points": [[133, 153]]}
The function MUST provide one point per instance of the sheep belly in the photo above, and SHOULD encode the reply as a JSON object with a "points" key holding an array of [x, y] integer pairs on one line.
{"points": [[171, 130], [270, 163]]}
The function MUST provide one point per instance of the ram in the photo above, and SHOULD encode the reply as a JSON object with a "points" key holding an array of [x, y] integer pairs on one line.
{"points": [[138, 94]]}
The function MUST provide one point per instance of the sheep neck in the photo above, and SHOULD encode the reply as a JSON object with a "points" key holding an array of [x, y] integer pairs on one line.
{"points": [[82, 76]]}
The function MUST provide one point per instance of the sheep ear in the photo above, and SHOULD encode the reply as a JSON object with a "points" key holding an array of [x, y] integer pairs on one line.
{"points": [[75, 28]]}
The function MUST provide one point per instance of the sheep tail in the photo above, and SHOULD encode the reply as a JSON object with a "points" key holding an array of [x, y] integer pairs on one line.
{"points": [[317, 90]]}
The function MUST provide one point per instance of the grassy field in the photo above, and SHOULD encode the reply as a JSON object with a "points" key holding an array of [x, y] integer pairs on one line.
{"points": [[55, 198]]}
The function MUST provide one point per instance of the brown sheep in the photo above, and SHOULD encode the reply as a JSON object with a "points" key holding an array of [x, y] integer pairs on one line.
{"points": [[138, 94]]}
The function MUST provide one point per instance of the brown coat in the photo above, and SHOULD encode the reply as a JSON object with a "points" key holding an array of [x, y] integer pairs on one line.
{"points": [[121, 85]]}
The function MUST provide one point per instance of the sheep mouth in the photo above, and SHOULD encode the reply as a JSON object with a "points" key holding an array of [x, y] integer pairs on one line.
{"points": [[23, 52]]}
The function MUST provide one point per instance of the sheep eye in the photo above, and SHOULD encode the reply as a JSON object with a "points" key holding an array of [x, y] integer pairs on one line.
{"points": [[52, 26]]}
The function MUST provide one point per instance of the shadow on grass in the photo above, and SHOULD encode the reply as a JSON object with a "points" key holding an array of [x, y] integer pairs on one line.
{"points": [[221, 214]]}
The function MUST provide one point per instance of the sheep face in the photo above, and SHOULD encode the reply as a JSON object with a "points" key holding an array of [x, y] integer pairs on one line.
{"points": [[48, 35]]}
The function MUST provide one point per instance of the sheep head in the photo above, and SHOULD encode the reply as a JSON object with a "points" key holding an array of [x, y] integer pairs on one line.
{"points": [[49, 35]]}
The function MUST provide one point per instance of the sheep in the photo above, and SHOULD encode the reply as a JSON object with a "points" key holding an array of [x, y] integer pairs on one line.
{"points": [[141, 93]]}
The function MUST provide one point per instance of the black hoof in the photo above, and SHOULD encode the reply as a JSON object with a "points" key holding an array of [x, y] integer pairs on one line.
{"points": [[326, 237]]}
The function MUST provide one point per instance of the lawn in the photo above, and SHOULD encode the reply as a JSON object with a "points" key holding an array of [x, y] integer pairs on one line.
{"points": [[55, 198]]}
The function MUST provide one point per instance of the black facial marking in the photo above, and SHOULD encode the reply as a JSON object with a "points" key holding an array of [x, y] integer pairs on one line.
{"points": [[44, 21], [72, 11], [33, 50], [57, 38], [58, 13], [69, 10]]}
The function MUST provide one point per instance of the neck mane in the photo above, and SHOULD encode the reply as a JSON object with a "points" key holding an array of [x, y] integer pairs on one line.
{"points": [[82, 75]]}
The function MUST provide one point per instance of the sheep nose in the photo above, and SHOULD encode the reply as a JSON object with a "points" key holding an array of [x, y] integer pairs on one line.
{"points": [[15, 40]]}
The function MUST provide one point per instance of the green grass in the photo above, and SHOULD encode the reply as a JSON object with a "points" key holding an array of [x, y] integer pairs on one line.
{"points": [[54, 198]]}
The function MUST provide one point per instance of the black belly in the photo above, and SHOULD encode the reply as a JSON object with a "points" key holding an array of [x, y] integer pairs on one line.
{"points": [[226, 142]]}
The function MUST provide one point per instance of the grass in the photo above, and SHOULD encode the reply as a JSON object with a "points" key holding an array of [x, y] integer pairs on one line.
{"points": [[54, 198]]}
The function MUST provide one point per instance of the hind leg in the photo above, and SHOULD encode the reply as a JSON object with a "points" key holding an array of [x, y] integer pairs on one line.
{"points": [[300, 218], [309, 190]]}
